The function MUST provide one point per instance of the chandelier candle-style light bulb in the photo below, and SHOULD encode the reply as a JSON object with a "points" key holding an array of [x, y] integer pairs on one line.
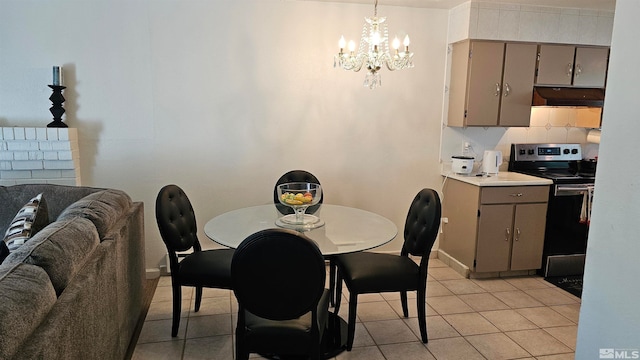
{"points": [[373, 52], [375, 38], [396, 44]]}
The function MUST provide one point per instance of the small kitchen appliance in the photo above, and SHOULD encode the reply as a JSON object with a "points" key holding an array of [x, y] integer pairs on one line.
{"points": [[570, 196], [461, 164], [491, 161]]}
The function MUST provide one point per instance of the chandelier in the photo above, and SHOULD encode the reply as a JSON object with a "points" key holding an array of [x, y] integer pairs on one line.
{"points": [[373, 52]]}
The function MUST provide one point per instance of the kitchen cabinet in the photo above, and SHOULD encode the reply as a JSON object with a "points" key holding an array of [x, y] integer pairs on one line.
{"points": [[494, 229], [568, 65], [491, 83]]}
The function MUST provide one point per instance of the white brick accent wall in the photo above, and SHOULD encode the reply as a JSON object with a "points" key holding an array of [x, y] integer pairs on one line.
{"points": [[39, 155]]}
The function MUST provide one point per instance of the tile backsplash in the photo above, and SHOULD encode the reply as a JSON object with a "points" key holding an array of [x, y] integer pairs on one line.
{"points": [[548, 125]]}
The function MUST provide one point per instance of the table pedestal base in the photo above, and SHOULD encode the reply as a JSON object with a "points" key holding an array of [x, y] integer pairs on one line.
{"points": [[335, 337], [333, 343]]}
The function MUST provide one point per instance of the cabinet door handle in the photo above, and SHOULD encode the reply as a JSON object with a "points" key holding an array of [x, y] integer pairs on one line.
{"points": [[516, 195], [507, 90], [578, 70], [517, 237], [507, 234], [497, 93], [569, 69]]}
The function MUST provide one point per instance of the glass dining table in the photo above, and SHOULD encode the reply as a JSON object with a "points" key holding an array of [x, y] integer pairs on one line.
{"points": [[344, 230]]}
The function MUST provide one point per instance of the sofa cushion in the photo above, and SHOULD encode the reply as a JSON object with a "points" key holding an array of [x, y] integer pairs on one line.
{"points": [[26, 297], [60, 249], [30, 219], [103, 208]]}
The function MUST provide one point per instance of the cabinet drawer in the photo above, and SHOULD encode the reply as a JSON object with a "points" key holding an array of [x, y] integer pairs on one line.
{"points": [[514, 194]]}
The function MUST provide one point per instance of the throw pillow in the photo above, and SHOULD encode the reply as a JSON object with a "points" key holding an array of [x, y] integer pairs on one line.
{"points": [[4, 251], [28, 221]]}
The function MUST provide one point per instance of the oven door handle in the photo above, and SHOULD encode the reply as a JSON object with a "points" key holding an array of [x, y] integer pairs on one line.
{"points": [[568, 190]]}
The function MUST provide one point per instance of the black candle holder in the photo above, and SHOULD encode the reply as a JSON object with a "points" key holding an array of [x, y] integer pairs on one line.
{"points": [[56, 109]]}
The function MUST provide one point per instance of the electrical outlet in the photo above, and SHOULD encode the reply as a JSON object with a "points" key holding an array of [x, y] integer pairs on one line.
{"points": [[444, 220], [466, 148]]}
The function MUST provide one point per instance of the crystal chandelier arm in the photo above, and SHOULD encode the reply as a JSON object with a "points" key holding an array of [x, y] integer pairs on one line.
{"points": [[349, 61], [400, 61]]}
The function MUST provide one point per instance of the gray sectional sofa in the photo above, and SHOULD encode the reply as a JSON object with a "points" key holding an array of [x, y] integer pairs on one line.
{"points": [[74, 290]]}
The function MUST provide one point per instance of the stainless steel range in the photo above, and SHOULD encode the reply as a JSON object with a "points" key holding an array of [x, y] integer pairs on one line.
{"points": [[569, 208]]}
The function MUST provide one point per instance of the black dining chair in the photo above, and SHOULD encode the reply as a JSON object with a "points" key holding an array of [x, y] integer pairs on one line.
{"points": [[369, 272], [210, 268], [278, 279]]}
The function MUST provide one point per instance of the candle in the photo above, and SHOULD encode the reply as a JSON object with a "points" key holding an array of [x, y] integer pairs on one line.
{"points": [[57, 75]]}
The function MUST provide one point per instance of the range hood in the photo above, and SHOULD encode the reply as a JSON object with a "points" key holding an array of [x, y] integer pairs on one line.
{"points": [[567, 96]]}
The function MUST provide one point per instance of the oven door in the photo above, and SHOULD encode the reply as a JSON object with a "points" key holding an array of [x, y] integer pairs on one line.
{"points": [[567, 229]]}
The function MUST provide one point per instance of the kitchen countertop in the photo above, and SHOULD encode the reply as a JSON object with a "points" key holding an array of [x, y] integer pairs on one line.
{"points": [[503, 178]]}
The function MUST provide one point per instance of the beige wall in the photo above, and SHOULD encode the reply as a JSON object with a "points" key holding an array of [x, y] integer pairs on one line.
{"points": [[222, 97]]}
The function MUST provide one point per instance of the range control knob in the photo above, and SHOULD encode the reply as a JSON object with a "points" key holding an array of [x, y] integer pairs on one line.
{"points": [[574, 151], [565, 151], [522, 151], [530, 152]]}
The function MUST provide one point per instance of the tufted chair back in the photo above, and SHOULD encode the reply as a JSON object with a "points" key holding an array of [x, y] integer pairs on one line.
{"points": [[296, 176], [422, 224], [176, 220], [261, 267], [278, 278]]}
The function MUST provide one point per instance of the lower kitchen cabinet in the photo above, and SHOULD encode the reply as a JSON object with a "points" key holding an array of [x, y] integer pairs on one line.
{"points": [[494, 229]]}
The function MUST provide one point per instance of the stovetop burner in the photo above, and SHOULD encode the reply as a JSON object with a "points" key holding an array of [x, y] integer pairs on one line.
{"points": [[559, 177]]}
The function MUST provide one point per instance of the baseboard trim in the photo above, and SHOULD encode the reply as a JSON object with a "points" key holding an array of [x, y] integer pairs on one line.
{"points": [[152, 273], [451, 262]]}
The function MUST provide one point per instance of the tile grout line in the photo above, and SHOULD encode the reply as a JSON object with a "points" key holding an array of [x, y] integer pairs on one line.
{"points": [[510, 308]]}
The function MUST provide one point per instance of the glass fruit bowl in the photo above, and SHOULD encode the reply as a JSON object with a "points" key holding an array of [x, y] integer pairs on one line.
{"points": [[299, 196]]}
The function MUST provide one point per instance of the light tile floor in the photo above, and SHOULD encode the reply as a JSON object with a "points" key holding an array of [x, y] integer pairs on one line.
{"points": [[508, 318]]}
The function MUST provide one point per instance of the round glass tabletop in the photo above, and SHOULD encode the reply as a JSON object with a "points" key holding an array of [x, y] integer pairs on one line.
{"points": [[345, 229]]}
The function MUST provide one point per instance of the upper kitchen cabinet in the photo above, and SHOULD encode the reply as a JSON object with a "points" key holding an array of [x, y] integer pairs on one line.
{"points": [[568, 65], [491, 83]]}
